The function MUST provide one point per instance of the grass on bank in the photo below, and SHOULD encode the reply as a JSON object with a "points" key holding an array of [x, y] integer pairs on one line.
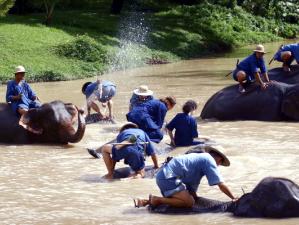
{"points": [[81, 44]]}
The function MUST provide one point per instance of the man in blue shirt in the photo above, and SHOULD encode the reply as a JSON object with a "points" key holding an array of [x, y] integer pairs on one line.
{"points": [[19, 94], [140, 95], [179, 179], [149, 116], [101, 91], [287, 54], [251, 68], [132, 146], [185, 126]]}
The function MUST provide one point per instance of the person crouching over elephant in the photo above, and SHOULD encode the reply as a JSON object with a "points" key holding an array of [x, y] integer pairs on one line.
{"points": [[185, 126], [149, 116], [102, 91], [249, 70], [287, 54], [132, 145], [178, 179], [140, 95], [19, 93]]}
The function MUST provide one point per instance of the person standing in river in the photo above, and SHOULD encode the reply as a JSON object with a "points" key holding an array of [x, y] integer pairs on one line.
{"points": [[252, 69], [287, 54], [102, 91], [179, 179]]}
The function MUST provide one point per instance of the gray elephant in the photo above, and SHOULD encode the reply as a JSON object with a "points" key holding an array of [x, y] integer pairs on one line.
{"points": [[271, 198], [280, 75], [279, 102], [54, 122]]}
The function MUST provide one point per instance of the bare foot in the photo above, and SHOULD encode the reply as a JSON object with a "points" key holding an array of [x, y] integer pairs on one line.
{"points": [[108, 176], [140, 202]]}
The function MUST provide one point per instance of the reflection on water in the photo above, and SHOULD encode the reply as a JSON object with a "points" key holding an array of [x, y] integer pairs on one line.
{"points": [[60, 184]]}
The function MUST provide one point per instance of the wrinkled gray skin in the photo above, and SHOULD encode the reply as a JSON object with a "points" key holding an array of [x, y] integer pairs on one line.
{"points": [[271, 198], [58, 122], [279, 102], [286, 77]]}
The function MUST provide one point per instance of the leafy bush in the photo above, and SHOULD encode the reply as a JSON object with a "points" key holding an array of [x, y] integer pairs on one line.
{"points": [[83, 48]]}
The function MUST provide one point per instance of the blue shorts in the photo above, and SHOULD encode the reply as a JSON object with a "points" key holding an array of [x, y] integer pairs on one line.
{"points": [[132, 156], [169, 186], [32, 105]]}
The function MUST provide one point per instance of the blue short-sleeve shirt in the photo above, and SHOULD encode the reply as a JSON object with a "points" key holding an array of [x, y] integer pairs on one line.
{"points": [[141, 137], [28, 95], [191, 168], [185, 129], [108, 90], [251, 65], [293, 48], [157, 110]]}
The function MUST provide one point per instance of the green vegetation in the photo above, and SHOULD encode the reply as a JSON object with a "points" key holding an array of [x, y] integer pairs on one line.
{"points": [[82, 43]]}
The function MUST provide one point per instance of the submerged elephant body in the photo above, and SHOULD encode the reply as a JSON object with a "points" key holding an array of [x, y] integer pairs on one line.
{"points": [[279, 102], [272, 198], [53, 123]]}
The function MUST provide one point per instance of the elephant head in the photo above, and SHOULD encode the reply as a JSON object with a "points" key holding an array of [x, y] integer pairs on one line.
{"points": [[290, 103], [55, 122]]}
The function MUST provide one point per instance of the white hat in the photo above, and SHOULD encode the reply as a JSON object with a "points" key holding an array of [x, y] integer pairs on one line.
{"points": [[20, 69], [259, 48], [143, 91]]}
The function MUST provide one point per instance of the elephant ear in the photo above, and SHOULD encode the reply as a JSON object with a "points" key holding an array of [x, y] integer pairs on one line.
{"points": [[29, 121], [290, 104]]}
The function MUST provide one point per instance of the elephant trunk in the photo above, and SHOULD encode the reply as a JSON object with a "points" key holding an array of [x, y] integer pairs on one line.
{"points": [[78, 135]]}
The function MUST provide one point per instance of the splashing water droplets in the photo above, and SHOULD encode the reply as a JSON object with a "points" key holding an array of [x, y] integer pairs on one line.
{"points": [[133, 35]]}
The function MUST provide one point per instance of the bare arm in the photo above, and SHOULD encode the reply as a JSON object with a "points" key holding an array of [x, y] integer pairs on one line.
{"points": [[226, 190], [110, 107], [155, 161], [171, 137], [266, 77], [259, 80]]}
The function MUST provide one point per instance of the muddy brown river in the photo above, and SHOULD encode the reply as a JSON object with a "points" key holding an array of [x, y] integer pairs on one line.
{"points": [[62, 184]]}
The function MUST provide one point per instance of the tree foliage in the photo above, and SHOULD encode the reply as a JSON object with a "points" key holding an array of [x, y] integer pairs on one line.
{"points": [[5, 5], [49, 6]]}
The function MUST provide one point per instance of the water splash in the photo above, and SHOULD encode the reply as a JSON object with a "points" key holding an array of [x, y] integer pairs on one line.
{"points": [[133, 35]]}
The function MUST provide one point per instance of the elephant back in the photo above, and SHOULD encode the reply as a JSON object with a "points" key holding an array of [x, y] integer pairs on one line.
{"points": [[272, 197]]}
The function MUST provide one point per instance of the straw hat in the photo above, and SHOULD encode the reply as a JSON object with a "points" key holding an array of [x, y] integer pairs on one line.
{"points": [[128, 126], [20, 69], [218, 150], [143, 90], [259, 48]]}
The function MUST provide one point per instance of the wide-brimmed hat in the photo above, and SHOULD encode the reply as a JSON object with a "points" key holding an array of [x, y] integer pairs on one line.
{"points": [[260, 48], [128, 126], [20, 69], [218, 150], [143, 90]]}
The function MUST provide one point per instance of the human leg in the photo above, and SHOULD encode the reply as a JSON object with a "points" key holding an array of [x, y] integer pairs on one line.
{"points": [[109, 162]]}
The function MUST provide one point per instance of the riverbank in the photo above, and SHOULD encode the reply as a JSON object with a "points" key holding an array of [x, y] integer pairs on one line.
{"points": [[82, 44]]}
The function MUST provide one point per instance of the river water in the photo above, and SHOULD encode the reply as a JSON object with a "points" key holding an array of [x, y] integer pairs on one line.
{"points": [[62, 185]]}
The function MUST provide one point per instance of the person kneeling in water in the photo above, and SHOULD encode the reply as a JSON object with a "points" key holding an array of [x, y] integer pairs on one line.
{"points": [[185, 126], [132, 145], [179, 179]]}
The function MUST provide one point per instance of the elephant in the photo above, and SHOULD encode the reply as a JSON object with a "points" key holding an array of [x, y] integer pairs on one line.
{"points": [[53, 122], [279, 102], [278, 74], [271, 198]]}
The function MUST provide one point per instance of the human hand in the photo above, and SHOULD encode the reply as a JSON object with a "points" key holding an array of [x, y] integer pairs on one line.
{"points": [[264, 86], [172, 143]]}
